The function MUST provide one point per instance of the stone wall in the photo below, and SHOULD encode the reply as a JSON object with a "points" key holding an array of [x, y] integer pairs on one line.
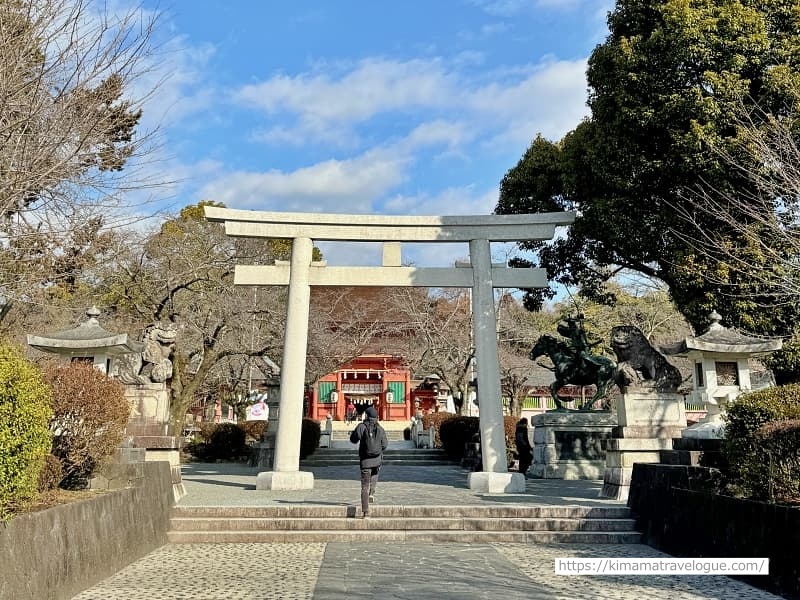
{"points": [[679, 513], [58, 552]]}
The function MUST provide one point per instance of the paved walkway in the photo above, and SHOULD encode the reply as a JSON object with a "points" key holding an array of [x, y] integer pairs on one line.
{"points": [[389, 571]]}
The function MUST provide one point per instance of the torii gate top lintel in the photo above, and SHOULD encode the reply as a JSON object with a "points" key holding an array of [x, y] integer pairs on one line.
{"points": [[388, 228]]}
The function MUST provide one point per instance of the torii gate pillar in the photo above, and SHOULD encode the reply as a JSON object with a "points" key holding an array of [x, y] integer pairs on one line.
{"points": [[286, 474], [481, 276]]}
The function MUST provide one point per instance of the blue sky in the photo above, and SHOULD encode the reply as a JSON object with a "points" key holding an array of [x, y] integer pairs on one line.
{"points": [[413, 107]]}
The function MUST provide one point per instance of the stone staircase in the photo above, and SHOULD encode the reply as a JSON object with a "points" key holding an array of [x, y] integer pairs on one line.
{"points": [[393, 435], [482, 524], [412, 457]]}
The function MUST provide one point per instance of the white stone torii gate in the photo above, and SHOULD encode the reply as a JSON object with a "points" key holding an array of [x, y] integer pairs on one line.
{"points": [[301, 273]]}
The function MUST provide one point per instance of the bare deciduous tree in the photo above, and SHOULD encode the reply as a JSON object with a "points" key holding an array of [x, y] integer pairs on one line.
{"points": [[439, 336], [346, 323], [70, 151], [183, 274]]}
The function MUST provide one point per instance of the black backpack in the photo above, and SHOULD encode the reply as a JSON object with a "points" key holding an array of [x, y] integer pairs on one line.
{"points": [[371, 440]]}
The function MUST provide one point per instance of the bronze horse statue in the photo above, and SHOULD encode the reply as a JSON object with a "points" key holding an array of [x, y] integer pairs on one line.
{"points": [[576, 367]]}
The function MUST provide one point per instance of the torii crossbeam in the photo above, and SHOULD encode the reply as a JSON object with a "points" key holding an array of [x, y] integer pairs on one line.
{"points": [[301, 273]]}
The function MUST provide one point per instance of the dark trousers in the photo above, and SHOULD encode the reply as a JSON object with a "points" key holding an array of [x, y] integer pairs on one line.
{"points": [[369, 479], [525, 460]]}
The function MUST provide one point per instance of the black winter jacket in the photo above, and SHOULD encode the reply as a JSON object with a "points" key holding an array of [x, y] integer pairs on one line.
{"points": [[522, 442], [359, 432]]}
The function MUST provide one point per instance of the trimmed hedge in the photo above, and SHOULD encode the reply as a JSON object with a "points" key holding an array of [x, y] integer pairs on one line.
{"points": [[453, 432], [781, 441], [227, 442], [456, 432], [748, 452], [435, 420], [24, 437], [310, 433]]}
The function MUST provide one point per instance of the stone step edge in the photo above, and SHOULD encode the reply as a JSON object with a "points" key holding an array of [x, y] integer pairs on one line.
{"points": [[378, 518], [245, 524], [578, 537], [406, 511]]}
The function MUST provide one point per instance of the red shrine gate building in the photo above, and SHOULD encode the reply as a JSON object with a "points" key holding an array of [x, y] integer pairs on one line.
{"points": [[380, 380]]}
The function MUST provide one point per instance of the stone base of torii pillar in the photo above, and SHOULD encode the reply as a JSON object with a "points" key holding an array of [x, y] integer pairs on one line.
{"points": [[497, 483], [285, 480]]}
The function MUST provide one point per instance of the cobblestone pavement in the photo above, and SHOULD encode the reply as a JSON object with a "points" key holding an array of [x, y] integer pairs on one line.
{"points": [[396, 571], [389, 571]]}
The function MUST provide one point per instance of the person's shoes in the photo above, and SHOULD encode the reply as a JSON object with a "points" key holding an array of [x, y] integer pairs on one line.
{"points": [[371, 498], [365, 515]]}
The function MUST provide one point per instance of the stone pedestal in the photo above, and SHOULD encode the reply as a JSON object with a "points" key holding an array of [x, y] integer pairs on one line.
{"points": [[149, 404], [647, 423], [264, 451], [165, 448], [569, 445]]}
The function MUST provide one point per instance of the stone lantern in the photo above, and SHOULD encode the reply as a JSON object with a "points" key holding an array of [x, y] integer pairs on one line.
{"points": [[721, 370], [87, 342]]}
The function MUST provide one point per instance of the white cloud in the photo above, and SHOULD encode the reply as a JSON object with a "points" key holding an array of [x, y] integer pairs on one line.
{"points": [[509, 104], [439, 132], [375, 85], [451, 201], [551, 100], [343, 186], [328, 186]]}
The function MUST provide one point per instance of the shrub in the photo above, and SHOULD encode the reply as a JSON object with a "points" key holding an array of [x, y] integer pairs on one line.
{"points": [[781, 442], [253, 430], [89, 417], [435, 420], [453, 431], [199, 450], [457, 431], [227, 442], [310, 433], [206, 430], [24, 438], [743, 448], [51, 474]]}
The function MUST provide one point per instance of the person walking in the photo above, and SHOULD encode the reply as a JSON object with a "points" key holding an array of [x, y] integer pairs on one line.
{"points": [[524, 449], [372, 441]]}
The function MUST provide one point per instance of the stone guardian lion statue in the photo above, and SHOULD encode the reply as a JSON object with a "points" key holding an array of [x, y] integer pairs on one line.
{"points": [[639, 365], [153, 364]]}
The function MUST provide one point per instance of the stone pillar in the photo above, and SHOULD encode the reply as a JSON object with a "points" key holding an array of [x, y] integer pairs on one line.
{"points": [[286, 474], [495, 477]]}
